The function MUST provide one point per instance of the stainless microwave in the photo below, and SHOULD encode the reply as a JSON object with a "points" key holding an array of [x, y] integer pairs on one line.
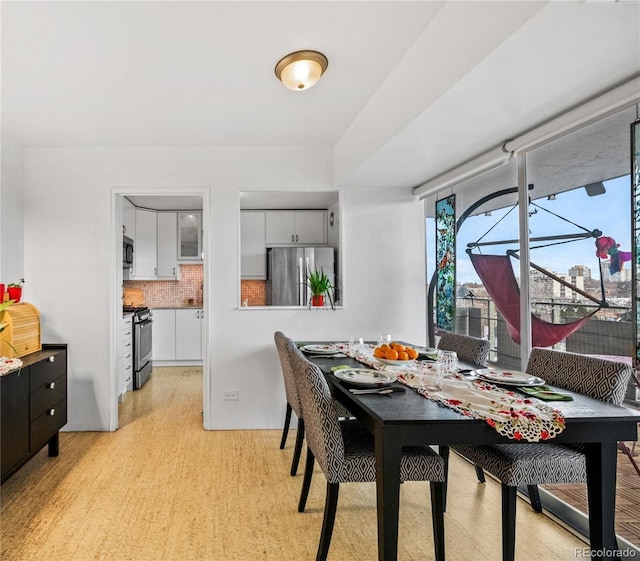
{"points": [[127, 252]]}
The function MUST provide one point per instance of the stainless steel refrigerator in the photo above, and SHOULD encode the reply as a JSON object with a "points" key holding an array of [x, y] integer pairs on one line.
{"points": [[286, 273]]}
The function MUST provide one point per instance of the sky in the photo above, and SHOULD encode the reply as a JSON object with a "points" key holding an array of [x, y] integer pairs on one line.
{"points": [[609, 212]]}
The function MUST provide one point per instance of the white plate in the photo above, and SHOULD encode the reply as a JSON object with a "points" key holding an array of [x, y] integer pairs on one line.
{"points": [[320, 349], [365, 377], [508, 377], [395, 362]]}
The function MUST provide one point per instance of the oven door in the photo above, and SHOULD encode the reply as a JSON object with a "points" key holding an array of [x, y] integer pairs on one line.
{"points": [[143, 343], [142, 353]]}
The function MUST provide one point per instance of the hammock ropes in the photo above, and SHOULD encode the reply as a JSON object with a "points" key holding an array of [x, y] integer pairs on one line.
{"points": [[496, 273]]}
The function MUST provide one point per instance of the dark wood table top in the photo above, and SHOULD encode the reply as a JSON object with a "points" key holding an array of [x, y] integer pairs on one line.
{"points": [[584, 416]]}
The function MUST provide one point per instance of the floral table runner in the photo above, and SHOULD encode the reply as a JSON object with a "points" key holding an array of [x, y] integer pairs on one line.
{"points": [[508, 412]]}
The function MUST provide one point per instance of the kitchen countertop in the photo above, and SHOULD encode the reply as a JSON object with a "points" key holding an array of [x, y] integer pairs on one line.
{"points": [[178, 307]]}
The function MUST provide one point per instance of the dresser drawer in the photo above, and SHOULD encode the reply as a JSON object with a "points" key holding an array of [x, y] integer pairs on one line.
{"points": [[45, 371], [47, 396], [45, 426]]}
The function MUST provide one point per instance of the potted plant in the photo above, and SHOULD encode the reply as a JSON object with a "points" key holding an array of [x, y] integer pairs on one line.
{"points": [[320, 286], [15, 290]]}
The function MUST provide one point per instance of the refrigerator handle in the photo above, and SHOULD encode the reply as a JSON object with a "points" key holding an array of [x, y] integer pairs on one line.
{"points": [[301, 283]]}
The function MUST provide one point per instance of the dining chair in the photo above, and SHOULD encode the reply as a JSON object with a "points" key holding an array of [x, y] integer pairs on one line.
{"points": [[468, 349], [548, 463], [293, 401], [345, 452]]}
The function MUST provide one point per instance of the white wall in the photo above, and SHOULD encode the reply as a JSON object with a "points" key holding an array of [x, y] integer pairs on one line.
{"points": [[71, 264], [12, 213]]}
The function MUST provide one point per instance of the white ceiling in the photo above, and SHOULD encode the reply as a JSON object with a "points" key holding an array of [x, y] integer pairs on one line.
{"points": [[412, 88]]}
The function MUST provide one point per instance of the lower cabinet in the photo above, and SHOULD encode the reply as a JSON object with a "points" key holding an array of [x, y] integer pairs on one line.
{"points": [[177, 335], [33, 407]]}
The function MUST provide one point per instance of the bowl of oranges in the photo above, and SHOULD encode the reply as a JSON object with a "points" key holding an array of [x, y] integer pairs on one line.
{"points": [[395, 354]]}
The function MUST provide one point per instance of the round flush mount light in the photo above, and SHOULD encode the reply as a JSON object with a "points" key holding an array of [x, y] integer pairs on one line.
{"points": [[300, 70]]}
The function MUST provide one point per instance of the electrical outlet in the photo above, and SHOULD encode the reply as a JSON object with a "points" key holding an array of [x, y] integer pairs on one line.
{"points": [[230, 395]]}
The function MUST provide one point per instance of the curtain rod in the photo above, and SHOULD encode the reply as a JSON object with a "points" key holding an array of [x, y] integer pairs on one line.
{"points": [[586, 113]]}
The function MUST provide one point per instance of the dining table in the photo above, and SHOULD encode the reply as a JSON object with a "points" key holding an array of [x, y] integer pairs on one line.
{"points": [[407, 418]]}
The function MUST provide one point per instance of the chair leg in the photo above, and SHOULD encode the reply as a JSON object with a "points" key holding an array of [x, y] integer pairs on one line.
{"points": [[285, 430], [508, 522], [444, 452], [298, 447], [330, 506], [479, 473], [306, 480], [438, 495], [534, 498]]}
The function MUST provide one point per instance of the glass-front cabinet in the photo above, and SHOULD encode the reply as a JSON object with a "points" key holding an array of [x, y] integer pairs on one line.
{"points": [[189, 236]]}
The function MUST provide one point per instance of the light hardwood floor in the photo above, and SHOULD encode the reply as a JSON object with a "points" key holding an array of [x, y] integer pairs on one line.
{"points": [[163, 489]]}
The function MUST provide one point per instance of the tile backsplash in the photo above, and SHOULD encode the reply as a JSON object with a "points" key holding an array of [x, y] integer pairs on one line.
{"points": [[254, 292], [173, 293]]}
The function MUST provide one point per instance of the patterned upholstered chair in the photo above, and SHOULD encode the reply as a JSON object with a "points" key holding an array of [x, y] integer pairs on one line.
{"points": [[345, 452], [538, 463], [293, 400], [469, 349]]}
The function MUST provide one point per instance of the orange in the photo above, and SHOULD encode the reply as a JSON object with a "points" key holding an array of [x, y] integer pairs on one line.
{"points": [[391, 354], [378, 352], [403, 356], [411, 353], [384, 347], [397, 346]]}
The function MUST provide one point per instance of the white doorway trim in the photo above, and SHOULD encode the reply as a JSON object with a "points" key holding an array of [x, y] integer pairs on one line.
{"points": [[115, 291]]}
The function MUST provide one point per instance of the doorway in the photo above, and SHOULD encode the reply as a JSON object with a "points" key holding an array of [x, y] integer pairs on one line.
{"points": [[169, 235]]}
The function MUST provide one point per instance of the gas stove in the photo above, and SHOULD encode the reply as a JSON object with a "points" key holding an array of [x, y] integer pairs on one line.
{"points": [[134, 309]]}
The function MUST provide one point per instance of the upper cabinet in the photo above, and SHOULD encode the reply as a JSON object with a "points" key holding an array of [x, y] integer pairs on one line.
{"points": [[145, 263], [128, 218], [155, 248], [190, 236], [167, 246], [253, 256], [302, 227]]}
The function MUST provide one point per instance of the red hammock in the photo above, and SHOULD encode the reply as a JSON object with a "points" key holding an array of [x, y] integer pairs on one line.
{"points": [[496, 273]]}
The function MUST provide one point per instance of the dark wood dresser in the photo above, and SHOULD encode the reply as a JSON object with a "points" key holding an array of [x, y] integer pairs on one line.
{"points": [[33, 407]]}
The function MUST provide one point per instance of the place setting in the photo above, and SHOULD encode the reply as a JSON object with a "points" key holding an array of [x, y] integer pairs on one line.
{"points": [[328, 350]]}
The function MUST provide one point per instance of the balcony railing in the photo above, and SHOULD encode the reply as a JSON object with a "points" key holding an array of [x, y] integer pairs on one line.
{"points": [[609, 333]]}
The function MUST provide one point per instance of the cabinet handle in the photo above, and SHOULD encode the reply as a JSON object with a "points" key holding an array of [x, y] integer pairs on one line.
{"points": [[52, 385], [51, 412], [52, 359], [174, 271], [292, 238], [296, 238], [155, 271]]}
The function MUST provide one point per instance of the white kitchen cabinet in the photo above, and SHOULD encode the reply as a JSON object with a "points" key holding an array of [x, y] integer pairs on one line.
{"points": [[190, 236], [128, 219], [163, 345], [253, 251], [301, 227], [167, 237], [146, 244], [126, 378], [189, 334]]}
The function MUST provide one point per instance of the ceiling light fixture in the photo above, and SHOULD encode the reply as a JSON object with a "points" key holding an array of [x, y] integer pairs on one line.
{"points": [[300, 70]]}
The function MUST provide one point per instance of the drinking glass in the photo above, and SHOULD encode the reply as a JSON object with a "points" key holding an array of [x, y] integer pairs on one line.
{"points": [[447, 363], [384, 338], [431, 378]]}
